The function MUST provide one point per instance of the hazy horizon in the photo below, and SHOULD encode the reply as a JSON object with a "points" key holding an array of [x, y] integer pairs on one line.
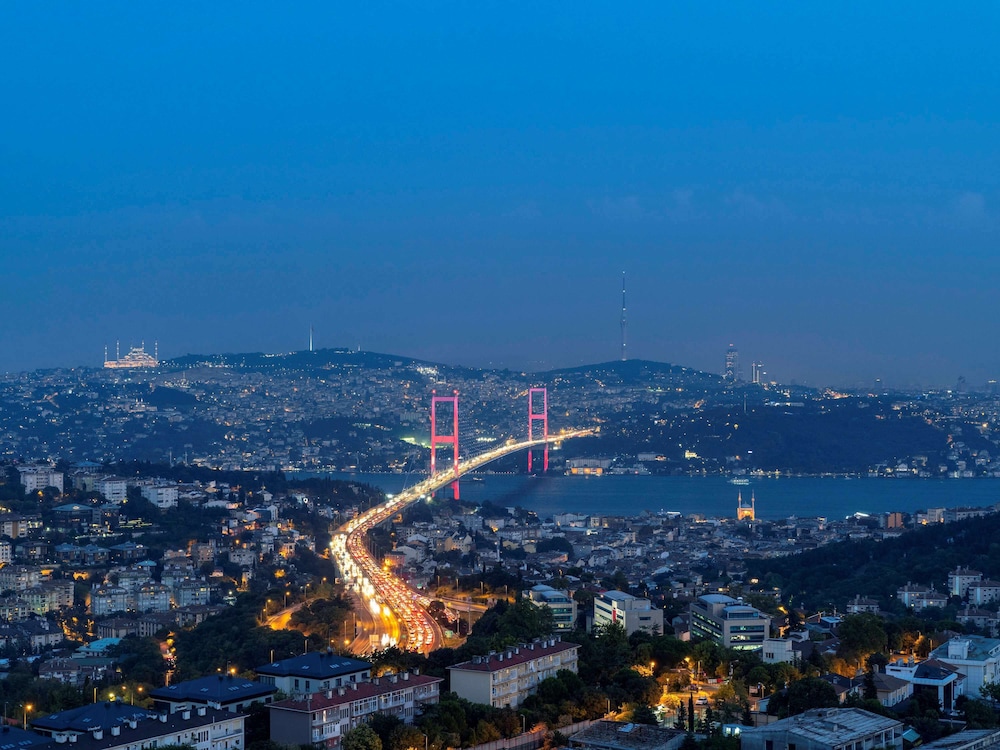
{"points": [[465, 184]]}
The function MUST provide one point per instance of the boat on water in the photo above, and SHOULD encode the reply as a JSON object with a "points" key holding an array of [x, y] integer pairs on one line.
{"points": [[739, 480]]}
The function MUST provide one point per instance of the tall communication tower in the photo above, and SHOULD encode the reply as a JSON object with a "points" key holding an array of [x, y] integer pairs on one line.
{"points": [[624, 322]]}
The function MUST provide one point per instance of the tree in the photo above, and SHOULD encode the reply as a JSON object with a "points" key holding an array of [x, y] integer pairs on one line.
{"points": [[801, 695], [681, 722], [384, 725], [140, 659], [406, 737], [643, 714], [861, 635], [871, 691], [362, 737], [978, 713], [991, 690], [485, 732], [611, 651]]}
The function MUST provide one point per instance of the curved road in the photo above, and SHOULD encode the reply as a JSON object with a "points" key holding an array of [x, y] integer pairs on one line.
{"points": [[398, 613]]}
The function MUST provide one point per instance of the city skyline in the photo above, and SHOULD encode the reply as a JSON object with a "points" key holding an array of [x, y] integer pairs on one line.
{"points": [[467, 185]]}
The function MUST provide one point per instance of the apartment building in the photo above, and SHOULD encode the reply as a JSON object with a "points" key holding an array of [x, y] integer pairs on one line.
{"points": [[222, 692], [117, 726], [35, 478], [324, 718], [314, 673], [506, 678]]}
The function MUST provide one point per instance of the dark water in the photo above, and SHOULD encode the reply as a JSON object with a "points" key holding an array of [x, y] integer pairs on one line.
{"points": [[711, 496]]}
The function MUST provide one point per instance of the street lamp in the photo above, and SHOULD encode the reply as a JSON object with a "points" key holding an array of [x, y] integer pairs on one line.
{"points": [[24, 715]]}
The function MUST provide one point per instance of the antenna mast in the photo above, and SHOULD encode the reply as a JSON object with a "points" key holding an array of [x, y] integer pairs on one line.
{"points": [[624, 322], [310, 338]]}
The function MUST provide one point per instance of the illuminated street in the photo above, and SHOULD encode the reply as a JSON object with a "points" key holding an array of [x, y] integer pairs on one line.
{"points": [[398, 614]]}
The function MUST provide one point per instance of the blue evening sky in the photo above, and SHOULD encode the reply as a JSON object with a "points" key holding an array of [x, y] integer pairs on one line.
{"points": [[814, 182]]}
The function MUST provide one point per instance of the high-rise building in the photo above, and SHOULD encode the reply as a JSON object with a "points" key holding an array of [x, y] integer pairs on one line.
{"points": [[732, 371], [757, 374]]}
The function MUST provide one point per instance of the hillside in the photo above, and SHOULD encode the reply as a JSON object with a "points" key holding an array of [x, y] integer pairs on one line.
{"points": [[833, 574]]}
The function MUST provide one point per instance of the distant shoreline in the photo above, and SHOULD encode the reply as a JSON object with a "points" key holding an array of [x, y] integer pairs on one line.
{"points": [[709, 496]]}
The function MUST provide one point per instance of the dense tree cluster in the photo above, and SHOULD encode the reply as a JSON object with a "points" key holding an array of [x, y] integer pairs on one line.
{"points": [[834, 573], [235, 637]]}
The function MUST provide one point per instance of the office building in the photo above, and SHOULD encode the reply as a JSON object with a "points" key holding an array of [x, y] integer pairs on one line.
{"points": [[631, 612], [560, 603], [729, 622]]}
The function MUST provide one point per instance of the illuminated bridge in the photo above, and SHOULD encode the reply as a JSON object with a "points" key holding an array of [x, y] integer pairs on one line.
{"points": [[400, 613]]}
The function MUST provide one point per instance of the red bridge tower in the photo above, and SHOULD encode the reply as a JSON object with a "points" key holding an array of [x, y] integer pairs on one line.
{"points": [[538, 416], [451, 439]]}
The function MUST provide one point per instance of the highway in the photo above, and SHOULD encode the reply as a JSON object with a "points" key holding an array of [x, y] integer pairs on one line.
{"points": [[399, 614]]}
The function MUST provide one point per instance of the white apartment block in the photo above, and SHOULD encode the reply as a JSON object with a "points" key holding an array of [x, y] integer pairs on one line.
{"points": [[114, 489], [106, 600], [35, 478], [960, 579], [16, 526], [14, 609], [984, 592], [163, 496], [152, 597], [49, 596], [191, 593], [19, 577], [631, 612], [506, 678]]}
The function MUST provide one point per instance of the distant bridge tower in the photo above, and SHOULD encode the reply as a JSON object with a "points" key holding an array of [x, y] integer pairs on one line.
{"points": [[451, 439], [538, 416]]}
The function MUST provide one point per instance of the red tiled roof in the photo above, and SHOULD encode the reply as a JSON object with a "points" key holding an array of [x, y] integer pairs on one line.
{"points": [[509, 658], [356, 691]]}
